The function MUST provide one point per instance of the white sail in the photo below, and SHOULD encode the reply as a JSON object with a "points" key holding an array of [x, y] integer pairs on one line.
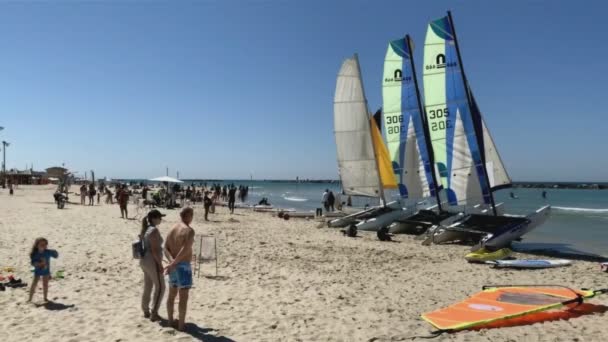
{"points": [[414, 175], [497, 173], [496, 170], [356, 158], [464, 173]]}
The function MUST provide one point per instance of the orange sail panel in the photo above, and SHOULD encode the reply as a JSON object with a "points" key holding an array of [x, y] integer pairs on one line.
{"points": [[501, 303], [385, 166]]}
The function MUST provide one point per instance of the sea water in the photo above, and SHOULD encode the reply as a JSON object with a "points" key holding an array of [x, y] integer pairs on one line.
{"points": [[578, 222]]}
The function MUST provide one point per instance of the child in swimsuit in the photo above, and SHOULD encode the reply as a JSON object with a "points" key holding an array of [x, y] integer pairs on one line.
{"points": [[41, 260]]}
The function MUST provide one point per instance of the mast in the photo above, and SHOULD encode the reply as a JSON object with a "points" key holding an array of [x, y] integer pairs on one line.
{"points": [[380, 187], [425, 126], [468, 93]]}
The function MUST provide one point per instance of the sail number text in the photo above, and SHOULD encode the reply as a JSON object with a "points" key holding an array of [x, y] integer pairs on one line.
{"points": [[394, 120], [437, 115]]}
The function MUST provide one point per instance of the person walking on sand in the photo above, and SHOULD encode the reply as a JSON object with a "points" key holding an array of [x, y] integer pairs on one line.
{"points": [[152, 264], [100, 191], [214, 199], [109, 199], [123, 199], [207, 204], [117, 193], [331, 199], [83, 194], [324, 199], [178, 249], [40, 258], [231, 199], [92, 193]]}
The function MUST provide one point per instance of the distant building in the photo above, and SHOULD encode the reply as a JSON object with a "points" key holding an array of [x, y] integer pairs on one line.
{"points": [[56, 171], [27, 176]]}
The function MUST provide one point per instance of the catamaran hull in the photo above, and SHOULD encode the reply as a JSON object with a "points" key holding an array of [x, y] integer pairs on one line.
{"points": [[364, 215], [499, 238], [421, 227], [418, 228], [352, 218], [383, 220], [504, 239], [407, 228], [440, 234]]}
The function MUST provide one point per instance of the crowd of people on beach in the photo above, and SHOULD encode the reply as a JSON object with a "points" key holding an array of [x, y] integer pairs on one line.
{"points": [[175, 196]]}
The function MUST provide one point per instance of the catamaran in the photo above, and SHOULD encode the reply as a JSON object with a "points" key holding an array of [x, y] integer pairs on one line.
{"points": [[469, 166], [408, 142], [403, 164]]}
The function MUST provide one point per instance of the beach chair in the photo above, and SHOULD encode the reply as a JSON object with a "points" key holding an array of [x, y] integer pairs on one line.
{"points": [[205, 252]]}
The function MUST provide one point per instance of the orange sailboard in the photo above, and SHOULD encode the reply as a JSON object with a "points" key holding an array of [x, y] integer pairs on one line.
{"points": [[499, 303]]}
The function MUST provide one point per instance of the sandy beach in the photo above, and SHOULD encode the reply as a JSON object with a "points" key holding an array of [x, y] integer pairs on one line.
{"points": [[278, 281]]}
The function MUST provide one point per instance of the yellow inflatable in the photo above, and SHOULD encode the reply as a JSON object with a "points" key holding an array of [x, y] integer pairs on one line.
{"points": [[483, 255]]}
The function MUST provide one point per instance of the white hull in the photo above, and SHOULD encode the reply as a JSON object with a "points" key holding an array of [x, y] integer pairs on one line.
{"points": [[501, 236], [301, 214], [361, 215], [421, 227], [504, 239], [530, 263], [352, 218], [383, 220]]}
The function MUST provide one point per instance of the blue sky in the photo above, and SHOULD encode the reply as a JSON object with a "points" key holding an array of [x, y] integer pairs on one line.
{"points": [[223, 89]]}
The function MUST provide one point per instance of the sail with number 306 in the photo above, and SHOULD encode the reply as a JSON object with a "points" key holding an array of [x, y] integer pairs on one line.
{"points": [[403, 122]]}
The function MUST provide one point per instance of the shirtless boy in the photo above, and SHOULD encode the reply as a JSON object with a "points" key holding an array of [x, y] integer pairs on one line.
{"points": [[178, 249]]}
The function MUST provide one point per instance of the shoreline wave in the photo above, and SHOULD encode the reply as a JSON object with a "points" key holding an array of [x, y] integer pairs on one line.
{"points": [[585, 210]]}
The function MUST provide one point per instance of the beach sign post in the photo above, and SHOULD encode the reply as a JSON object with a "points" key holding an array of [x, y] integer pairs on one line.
{"points": [[206, 251]]}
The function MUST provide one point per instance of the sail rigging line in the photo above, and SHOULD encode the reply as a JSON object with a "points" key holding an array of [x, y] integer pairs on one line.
{"points": [[492, 145], [425, 125], [468, 95], [380, 185]]}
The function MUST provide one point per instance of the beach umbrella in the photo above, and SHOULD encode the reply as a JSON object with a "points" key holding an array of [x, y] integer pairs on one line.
{"points": [[165, 179]]}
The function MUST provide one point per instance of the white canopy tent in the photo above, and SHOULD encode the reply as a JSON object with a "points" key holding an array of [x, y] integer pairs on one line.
{"points": [[165, 179]]}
